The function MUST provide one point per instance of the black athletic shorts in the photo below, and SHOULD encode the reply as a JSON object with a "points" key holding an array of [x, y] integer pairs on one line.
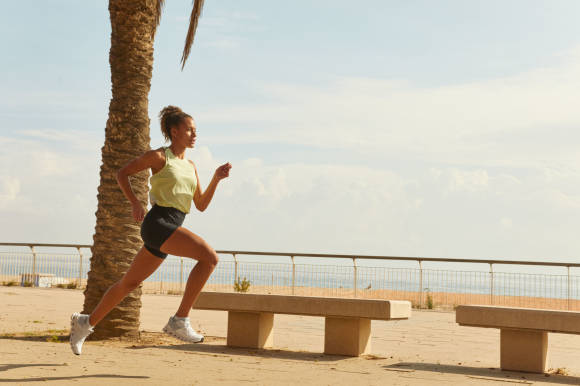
{"points": [[159, 223]]}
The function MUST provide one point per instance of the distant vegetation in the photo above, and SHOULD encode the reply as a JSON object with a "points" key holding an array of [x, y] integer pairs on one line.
{"points": [[71, 285], [241, 286]]}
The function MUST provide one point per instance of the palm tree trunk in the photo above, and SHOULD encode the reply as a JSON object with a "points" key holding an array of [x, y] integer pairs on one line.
{"points": [[116, 239]]}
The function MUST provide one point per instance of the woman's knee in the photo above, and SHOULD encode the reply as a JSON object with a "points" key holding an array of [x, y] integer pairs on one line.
{"points": [[211, 257]]}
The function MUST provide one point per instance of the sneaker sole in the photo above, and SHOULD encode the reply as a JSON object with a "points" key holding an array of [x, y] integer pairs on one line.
{"points": [[165, 330]]}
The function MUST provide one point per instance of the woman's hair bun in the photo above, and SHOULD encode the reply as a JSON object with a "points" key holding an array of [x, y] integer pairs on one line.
{"points": [[170, 116]]}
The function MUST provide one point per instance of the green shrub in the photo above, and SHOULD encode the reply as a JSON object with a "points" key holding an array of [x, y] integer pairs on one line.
{"points": [[241, 286], [71, 285], [27, 284], [9, 283], [429, 302], [429, 299]]}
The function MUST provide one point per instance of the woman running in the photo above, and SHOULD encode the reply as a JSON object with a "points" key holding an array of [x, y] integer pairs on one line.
{"points": [[174, 184]]}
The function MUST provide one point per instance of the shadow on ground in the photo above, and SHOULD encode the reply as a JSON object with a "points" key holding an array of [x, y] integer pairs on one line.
{"points": [[223, 350], [43, 379], [484, 373], [41, 337], [10, 366]]}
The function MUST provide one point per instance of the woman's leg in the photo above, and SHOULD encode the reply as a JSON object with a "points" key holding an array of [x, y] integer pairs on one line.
{"points": [[183, 242], [144, 264]]}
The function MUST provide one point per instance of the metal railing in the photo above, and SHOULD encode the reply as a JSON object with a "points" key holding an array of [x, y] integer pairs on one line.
{"points": [[424, 286]]}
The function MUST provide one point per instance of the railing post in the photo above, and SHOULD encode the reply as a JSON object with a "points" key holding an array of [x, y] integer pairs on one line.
{"points": [[181, 274], [80, 266], [355, 275], [235, 268], [491, 283], [293, 273], [569, 291], [420, 284], [33, 265]]}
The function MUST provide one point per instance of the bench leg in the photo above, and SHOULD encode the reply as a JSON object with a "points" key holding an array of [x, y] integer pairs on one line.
{"points": [[250, 329], [523, 350], [347, 336]]}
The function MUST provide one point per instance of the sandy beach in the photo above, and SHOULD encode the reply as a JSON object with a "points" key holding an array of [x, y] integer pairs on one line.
{"points": [[438, 300], [430, 348]]}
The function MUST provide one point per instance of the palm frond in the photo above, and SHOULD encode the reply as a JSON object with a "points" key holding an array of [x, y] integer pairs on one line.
{"points": [[193, 19], [159, 10]]}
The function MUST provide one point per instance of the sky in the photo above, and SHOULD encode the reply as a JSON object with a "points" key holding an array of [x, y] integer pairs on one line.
{"points": [[411, 128]]}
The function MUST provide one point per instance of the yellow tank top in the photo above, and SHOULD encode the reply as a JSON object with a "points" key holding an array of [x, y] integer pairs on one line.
{"points": [[174, 185]]}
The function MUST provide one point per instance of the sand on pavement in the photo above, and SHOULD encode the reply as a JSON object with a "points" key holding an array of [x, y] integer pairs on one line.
{"points": [[430, 348]]}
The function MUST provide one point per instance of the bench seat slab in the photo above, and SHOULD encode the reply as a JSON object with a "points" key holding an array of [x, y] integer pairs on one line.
{"points": [[347, 336], [523, 350], [250, 329]]}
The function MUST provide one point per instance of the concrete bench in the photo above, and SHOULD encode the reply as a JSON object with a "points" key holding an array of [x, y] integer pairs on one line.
{"points": [[523, 332], [347, 324]]}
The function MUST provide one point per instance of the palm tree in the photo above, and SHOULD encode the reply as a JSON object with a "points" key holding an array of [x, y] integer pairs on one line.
{"points": [[116, 239]]}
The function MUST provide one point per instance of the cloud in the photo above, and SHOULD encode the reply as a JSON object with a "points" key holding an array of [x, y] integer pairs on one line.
{"points": [[506, 222], [320, 207], [483, 169], [224, 43], [48, 186], [458, 211], [224, 30], [517, 121], [9, 189]]}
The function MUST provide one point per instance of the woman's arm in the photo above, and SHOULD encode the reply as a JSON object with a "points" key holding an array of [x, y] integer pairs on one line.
{"points": [[202, 199], [150, 159]]}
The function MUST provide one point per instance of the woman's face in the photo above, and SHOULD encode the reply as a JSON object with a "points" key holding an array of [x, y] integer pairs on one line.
{"points": [[184, 133]]}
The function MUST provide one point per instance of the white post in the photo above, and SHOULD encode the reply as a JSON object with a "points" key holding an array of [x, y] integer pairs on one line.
{"points": [[80, 266], [569, 287], [235, 268], [420, 284], [33, 265], [293, 274], [491, 283], [355, 274]]}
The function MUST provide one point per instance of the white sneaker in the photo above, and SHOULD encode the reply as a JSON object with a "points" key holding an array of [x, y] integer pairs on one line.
{"points": [[79, 330], [181, 329]]}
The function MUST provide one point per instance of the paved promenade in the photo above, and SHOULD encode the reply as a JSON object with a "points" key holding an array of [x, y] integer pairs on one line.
{"points": [[427, 349]]}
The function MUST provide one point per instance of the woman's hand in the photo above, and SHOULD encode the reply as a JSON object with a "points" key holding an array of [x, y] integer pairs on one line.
{"points": [[223, 171], [138, 211]]}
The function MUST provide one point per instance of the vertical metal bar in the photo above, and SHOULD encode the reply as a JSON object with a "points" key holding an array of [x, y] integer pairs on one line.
{"points": [[491, 283], [235, 268], [33, 265], [568, 287], [355, 274], [181, 273], [80, 266], [420, 283], [293, 273]]}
